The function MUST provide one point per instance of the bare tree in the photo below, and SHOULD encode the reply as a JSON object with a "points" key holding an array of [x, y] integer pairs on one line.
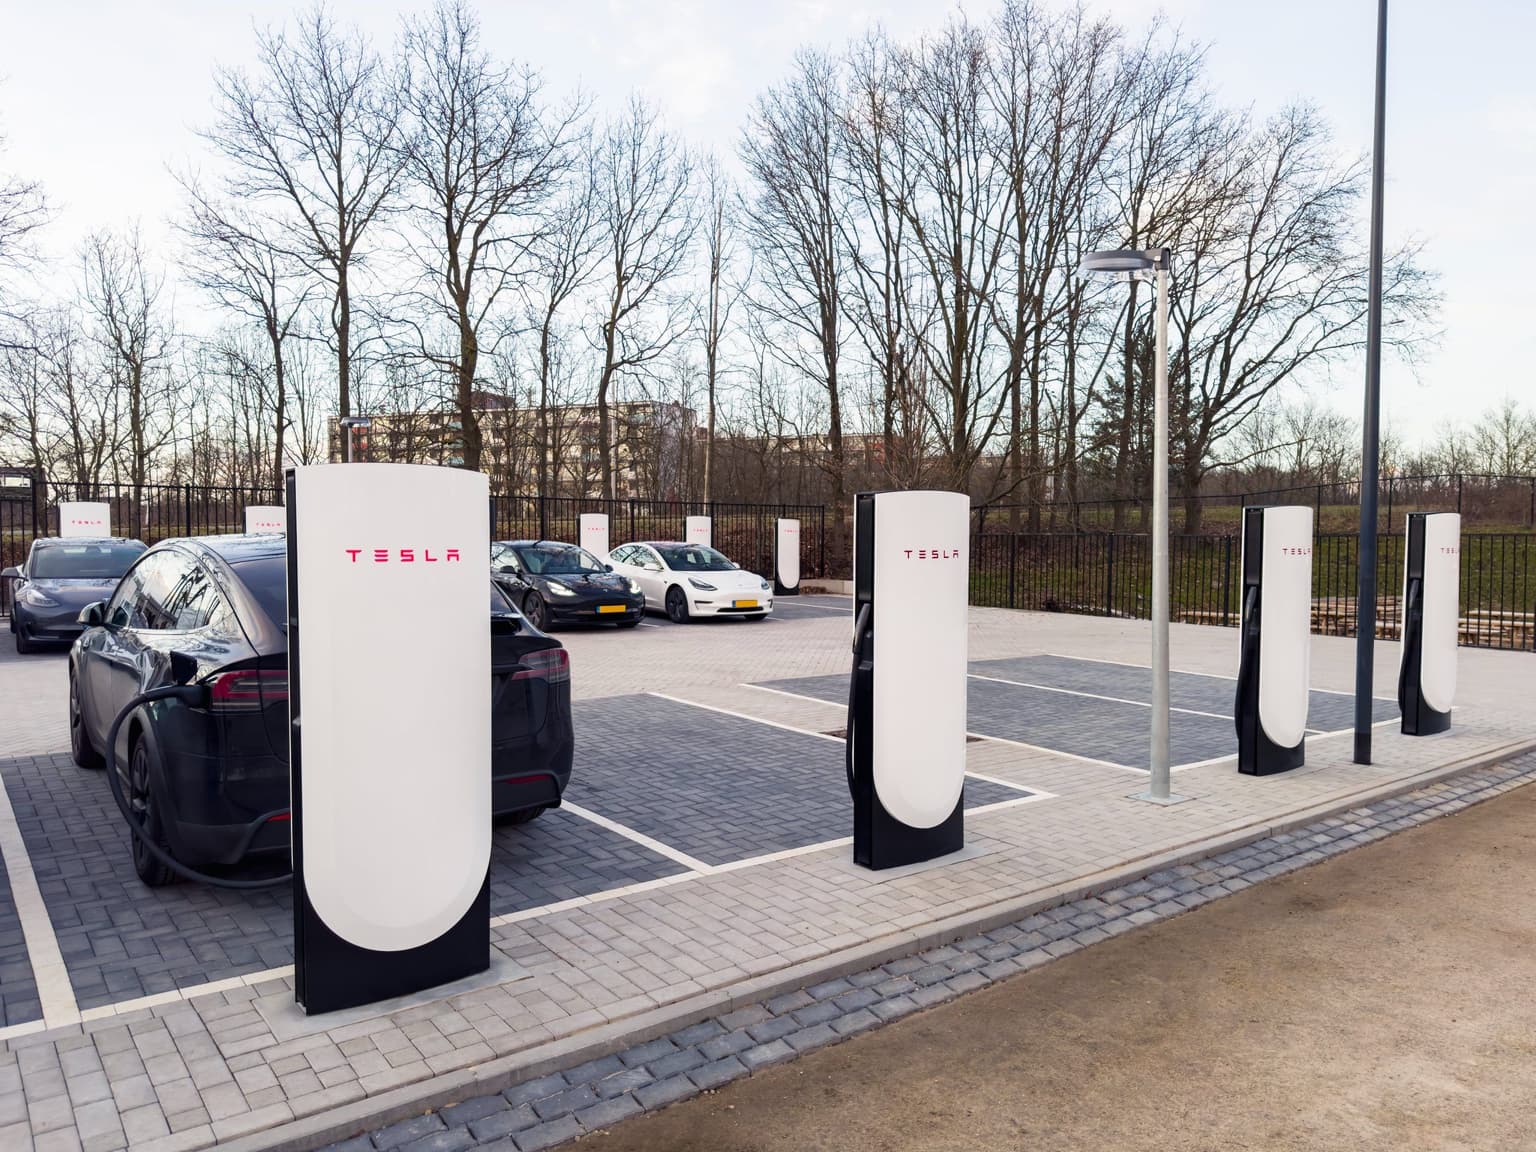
{"points": [[793, 214], [312, 144], [644, 185], [719, 244], [1504, 440], [482, 156]]}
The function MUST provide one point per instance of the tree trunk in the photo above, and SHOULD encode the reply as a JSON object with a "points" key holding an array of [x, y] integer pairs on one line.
{"points": [[469, 420], [343, 325], [1124, 476]]}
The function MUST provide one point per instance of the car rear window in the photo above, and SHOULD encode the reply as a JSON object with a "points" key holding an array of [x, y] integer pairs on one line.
{"points": [[83, 561], [267, 580]]}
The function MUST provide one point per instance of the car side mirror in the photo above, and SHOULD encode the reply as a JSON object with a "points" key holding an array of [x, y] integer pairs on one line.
{"points": [[11, 573], [92, 615], [607, 567]]}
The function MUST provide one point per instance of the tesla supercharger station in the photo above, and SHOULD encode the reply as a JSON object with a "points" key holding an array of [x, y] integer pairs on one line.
{"points": [[263, 519], [85, 519], [594, 533], [1274, 668], [389, 730], [786, 558], [698, 530], [906, 705], [1426, 684]]}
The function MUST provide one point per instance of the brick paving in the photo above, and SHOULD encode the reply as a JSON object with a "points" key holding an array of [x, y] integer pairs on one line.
{"points": [[18, 987], [596, 1094], [601, 975]]}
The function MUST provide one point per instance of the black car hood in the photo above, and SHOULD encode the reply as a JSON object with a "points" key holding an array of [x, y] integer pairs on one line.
{"points": [[75, 592], [591, 582]]}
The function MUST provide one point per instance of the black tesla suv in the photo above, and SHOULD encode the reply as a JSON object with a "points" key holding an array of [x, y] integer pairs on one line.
{"points": [[59, 577], [210, 782]]}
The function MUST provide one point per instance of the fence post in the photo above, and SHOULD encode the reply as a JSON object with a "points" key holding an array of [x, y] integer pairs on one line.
{"points": [[1109, 578], [187, 507], [1532, 521], [1458, 493], [543, 517], [1013, 564], [631, 517], [821, 543], [1226, 580], [1389, 503]]}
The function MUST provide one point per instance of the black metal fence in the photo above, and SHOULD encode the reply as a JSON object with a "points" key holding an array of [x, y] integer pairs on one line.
{"points": [[155, 512], [1110, 574]]}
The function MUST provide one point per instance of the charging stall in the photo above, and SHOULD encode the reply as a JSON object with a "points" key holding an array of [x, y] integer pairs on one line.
{"points": [[786, 558], [1426, 683], [699, 530], [389, 730], [85, 519], [1275, 665], [265, 519], [594, 533], [906, 704]]}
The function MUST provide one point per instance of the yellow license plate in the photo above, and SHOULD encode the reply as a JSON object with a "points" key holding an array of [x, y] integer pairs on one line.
{"points": [[610, 607], [746, 603]]}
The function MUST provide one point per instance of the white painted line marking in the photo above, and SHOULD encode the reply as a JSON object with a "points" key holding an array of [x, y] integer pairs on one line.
{"points": [[1095, 696], [744, 716], [640, 838], [795, 695], [998, 805], [55, 993], [1180, 671], [1001, 783], [1058, 752]]}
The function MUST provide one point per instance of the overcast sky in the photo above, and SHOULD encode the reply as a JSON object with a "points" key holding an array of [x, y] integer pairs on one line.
{"points": [[99, 100]]}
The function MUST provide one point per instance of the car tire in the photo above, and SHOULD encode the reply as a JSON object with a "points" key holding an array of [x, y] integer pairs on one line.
{"points": [[536, 611], [677, 605], [141, 795], [80, 749], [24, 647]]}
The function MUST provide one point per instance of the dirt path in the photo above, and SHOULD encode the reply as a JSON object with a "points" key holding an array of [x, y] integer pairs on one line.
{"points": [[1382, 1000]]}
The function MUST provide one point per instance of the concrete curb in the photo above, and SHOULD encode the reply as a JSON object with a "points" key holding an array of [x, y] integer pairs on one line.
{"points": [[310, 1132]]}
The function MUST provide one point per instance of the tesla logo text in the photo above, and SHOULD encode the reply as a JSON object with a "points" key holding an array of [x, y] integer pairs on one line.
{"points": [[931, 553], [1447, 551], [402, 555], [1296, 551], [87, 523]]}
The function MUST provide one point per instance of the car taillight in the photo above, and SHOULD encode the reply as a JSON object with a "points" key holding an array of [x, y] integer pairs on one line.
{"points": [[248, 689], [551, 664]]}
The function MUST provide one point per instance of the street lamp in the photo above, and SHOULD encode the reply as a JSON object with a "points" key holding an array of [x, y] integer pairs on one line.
{"points": [[1153, 264], [348, 423]]}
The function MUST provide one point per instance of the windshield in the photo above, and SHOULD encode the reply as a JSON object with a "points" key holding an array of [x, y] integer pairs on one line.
{"points": [[693, 558], [267, 580], [83, 561], [557, 559]]}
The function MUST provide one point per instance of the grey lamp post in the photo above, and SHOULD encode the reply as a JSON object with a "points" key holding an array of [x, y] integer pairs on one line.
{"points": [[348, 424], [1153, 264]]}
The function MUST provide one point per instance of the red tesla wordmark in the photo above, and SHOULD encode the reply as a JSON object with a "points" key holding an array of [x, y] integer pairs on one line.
{"points": [[931, 553], [404, 555]]}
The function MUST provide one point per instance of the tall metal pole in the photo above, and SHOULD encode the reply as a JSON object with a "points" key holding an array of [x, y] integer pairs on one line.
{"points": [[1161, 784], [1370, 470]]}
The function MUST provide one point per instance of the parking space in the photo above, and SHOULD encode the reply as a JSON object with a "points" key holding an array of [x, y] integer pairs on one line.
{"points": [[785, 608], [718, 787], [18, 987], [1097, 711]]}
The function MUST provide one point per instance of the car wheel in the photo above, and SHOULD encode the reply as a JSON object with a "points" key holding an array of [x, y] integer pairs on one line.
{"points": [[79, 739], [141, 798], [537, 613], [677, 605], [24, 647]]}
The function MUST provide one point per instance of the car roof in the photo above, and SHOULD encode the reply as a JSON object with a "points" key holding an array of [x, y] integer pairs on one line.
{"points": [[50, 541], [539, 543], [664, 543], [234, 548]]}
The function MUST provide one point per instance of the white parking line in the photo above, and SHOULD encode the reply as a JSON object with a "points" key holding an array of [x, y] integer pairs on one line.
{"points": [[1058, 752], [671, 853], [55, 994], [744, 716], [1095, 696], [1186, 672], [795, 695]]}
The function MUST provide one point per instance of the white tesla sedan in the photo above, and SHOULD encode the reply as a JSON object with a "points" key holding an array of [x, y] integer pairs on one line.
{"points": [[688, 580]]}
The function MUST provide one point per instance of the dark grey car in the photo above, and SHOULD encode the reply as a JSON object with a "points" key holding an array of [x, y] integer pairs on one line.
{"points": [[59, 578]]}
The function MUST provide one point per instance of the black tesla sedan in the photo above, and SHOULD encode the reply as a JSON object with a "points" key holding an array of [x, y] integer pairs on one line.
{"points": [[556, 583], [60, 577], [210, 782]]}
